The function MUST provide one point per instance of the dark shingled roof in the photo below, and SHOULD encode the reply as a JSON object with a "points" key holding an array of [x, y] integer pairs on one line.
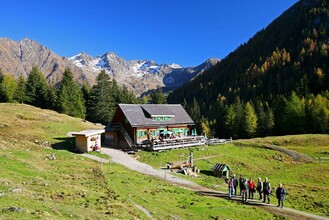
{"points": [[140, 115], [220, 167]]}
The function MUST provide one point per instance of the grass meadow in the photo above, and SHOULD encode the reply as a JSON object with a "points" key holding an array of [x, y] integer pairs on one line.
{"points": [[306, 182], [72, 186]]}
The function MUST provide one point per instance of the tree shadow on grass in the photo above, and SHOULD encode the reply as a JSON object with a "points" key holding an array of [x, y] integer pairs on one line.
{"points": [[67, 143], [235, 198], [208, 173]]}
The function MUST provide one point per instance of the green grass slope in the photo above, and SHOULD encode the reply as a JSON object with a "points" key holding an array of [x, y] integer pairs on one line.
{"points": [[72, 186], [306, 182]]}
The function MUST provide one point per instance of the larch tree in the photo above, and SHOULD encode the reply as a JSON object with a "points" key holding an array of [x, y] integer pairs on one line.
{"points": [[8, 87], [295, 115], [250, 121], [2, 96]]}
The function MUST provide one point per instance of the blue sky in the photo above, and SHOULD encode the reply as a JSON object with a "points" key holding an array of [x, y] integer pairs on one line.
{"points": [[186, 32]]}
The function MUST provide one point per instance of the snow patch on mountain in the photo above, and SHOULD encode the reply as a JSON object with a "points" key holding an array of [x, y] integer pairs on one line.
{"points": [[140, 75], [175, 66]]}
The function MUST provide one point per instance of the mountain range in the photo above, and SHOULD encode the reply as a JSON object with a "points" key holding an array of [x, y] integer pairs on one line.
{"points": [[140, 76]]}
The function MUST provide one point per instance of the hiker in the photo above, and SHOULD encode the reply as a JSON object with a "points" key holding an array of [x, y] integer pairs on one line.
{"points": [[280, 195], [244, 190], [241, 181], [260, 188], [251, 188], [235, 183], [230, 187], [266, 190]]}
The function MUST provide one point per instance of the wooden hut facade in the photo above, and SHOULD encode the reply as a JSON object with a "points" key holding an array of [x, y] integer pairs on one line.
{"points": [[88, 140], [138, 124]]}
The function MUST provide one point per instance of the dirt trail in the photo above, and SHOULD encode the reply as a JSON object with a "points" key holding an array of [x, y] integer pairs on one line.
{"points": [[128, 161]]}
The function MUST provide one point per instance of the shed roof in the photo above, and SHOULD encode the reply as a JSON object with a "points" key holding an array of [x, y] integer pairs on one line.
{"points": [[88, 133], [220, 167], [141, 115]]}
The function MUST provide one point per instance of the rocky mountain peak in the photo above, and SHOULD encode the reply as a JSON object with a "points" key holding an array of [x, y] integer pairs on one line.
{"points": [[18, 58]]}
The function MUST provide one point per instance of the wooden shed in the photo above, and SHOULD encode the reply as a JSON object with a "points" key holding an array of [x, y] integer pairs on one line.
{"points": [[88, 140], [221, 170]]}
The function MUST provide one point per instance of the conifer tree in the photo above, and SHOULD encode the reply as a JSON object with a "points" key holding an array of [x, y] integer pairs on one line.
{"points": [[126, 96], [117, 93], [1, 75], [20, 92], [280, 116], [184, 104], [157, 97], [265, 119], [231, 122], [37, 89], [86, 90], [70, 98], [239, 113], [102, 103], [196, 115], [52, 98]]}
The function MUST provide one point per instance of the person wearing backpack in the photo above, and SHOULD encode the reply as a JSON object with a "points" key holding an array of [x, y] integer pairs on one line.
{"points": [[280, 195], [266, 190]]}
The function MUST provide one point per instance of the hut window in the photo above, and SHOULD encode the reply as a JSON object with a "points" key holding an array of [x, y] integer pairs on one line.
{"points": [[141, 133]]}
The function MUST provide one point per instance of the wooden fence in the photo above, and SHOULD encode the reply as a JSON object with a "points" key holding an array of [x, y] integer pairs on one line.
{"points": [[190, 141]]}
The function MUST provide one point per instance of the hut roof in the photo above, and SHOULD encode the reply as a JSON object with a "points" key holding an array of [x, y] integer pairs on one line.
{"points": [[143, 115], [220, 167], [88, 133]]}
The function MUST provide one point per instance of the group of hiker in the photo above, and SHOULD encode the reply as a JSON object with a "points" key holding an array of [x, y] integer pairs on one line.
{"points": [[249, 187]]}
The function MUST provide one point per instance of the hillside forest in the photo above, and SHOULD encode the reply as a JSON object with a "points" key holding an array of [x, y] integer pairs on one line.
{"points": [[96, 104], [274, 84]]}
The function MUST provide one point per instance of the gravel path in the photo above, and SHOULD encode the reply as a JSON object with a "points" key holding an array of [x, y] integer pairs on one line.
{"points": [[93, 157], [126, 160]]}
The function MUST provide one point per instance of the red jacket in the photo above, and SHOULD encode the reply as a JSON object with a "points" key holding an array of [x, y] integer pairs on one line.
{"points": [[251, 185]]}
